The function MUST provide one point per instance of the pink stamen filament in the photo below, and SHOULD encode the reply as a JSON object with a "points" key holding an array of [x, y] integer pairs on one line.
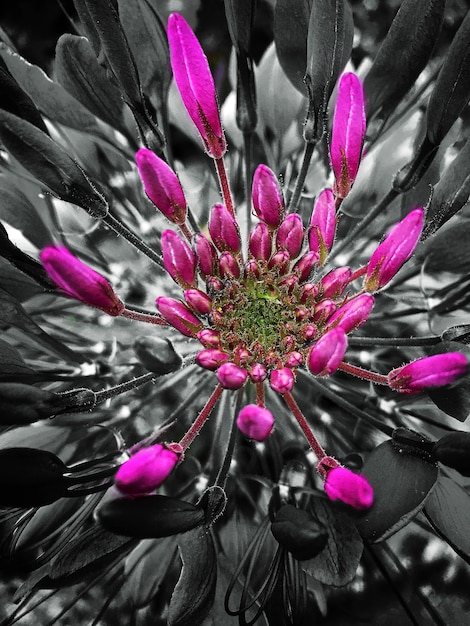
{"points": [[299, 416], [192, 433], [359, 372], [224, 185]]}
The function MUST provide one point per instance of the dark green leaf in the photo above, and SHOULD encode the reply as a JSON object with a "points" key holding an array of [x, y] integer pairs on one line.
{"points": [[403, 54], [329, 45], [448, 510], [194, 592], [450, 194], [49, 97], [453, 450], [291, 19], [338, 561], [23, 404], [240, 15], [80, 73], [452, 90], [401, 484], [17, 210], [299, 532]]}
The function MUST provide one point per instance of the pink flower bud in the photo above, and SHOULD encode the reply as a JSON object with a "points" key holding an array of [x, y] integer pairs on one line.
{"points": [[394, 251], [290, 235], [179, 316], [353, 489], [260, 242], [352, 314], [258, 372], [229, 267], [178, 258], [309, 293], [224, 229], [309, 332], [206, 255], [255, 422], [323, 225], [323, 311], [80, 281], [282, 380], [431, 371], [268, 202], [198, 301], [251, 268], [214, 284], [349, 127], [195, 84], [327, 353], [280, 261], [305, 265], [212, 358], [293, 359], [335, 282], [209, 338], [146, 470], [231, 376], [161, 185]]}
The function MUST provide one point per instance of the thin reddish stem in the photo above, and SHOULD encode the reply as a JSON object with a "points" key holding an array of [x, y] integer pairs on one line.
{"points": [[192, 433], [224, 185], [144, 317], [299, 416], [358, 273], [260, 394], [359, 372], [186, 232]]}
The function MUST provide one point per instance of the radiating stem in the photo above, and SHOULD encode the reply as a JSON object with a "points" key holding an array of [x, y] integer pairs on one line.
{"points": [[135, 241], [224, 468], [224, 185], [260, 394], [358, 273], [192, 433], [106, 394], [149, 318], [299, 416], [359, 372], [186, 232], [299, 183], [248, 143], [430, 340]]}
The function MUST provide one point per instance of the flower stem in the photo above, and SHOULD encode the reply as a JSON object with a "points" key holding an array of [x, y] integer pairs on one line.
{"points": [[106, 394], [122, 230], [430, 340], [358, 273], [379, 379], [299, 416], [260, 394], [192, 433], [299, 183], [224, 185], [222, 474], [186, 232], [150, 318]]}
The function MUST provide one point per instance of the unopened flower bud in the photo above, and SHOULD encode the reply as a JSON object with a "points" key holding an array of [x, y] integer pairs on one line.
{"points": [[161, 185], [231, 376], [432, 371], [258, 372], [209, 338], [306, 264], [327, 353], [290, 235], [260, 242], [179, 316], [255, 422], [352, 314], [323, 225], [157, 355], [394, 251], [268, 202], [211, 358], [80, 281], [146, 470], [280, 261], [229, 267], [282, 380], [206, 255], [178, 258], [23, 404], [195, 84], [223, 229], [353, 489], [335, 282], [323, 311], [293, 359], [198, 301]]}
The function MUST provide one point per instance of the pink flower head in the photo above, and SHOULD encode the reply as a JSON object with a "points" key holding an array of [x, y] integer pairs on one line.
{"points": [[195, 84], [260, 242], [178, 258], [323, 224], [282, 380], [146, 470], [327, 353], [353, 489], [349, 127], [223, 229], [267, 197], [79, 280], [179, 316], [290, 235], [431, 371], [161, 185], [352, 314], [394, 251], [231, 376], [255, 422]]}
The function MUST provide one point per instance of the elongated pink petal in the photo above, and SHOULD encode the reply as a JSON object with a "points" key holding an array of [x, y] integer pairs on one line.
{"points": [[335, 282], [212, 358], [178, 258], [432, 371], [146, 470], [327, 353], [353, 489], [394, 251], [79, 280], [198, 301], [161, 185], [349, 127], [255, 422], [268, 202], [195, 84], [323, 224], [206, 255]]}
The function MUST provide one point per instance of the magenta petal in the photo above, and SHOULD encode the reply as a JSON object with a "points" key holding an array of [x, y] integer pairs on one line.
{"points": [[349, 127], [195, 83], [352, 314], [432, 371], [255, 422], [206, 254], [212, 358], [161, 185], [79, 280], [353, 489], [290, 235], [260, 242], [282, 380], [146, 470], [394, 251]]}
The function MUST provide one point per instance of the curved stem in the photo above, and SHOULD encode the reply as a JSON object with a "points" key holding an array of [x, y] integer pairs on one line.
{"points": [[224, 185], [192, 433], [359, 372], [120, 229], [299, 183], [304, 425]]}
